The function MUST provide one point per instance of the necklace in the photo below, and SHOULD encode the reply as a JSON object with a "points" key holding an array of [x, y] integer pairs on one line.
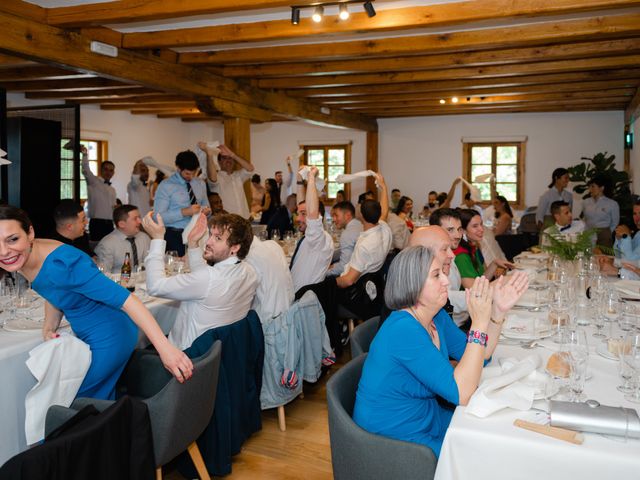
{"points": [[429, 327]]}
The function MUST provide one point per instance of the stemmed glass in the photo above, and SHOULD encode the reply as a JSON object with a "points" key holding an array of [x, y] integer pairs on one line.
{"points": [[575, 343], [625, 366], [7, 299], [631, 358], [170, 258]]}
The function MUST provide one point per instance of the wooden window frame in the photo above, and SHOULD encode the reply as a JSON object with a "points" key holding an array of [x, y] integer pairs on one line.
{"points": [[466, 168], [347, 167]]}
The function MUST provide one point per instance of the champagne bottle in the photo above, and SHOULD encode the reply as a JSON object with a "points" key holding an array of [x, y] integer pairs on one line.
{"points": [[125, 272]]}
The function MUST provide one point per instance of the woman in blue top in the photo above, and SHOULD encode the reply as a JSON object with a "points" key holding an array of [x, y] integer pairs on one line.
{"points": [[407, 373], [99, 311]]}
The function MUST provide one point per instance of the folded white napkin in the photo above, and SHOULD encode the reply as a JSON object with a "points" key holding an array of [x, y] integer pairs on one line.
{"points": [[350, 177], [152, 162], [59, 366], [475, 192], [296, 155], [304, 173], [500, 387], [4, 161], [202, 157]]}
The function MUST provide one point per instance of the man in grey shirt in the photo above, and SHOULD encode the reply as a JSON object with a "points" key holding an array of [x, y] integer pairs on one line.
{"points": [[343, 214], [126, 238]]}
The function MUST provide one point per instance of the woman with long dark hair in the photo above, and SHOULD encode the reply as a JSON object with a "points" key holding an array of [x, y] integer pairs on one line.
{"points": [[469, 258], [102, 314], [503, 216], [271, 201], [403, 210]]}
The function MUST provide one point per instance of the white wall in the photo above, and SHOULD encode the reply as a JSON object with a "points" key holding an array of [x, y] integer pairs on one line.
{"points": [[422, 154]]}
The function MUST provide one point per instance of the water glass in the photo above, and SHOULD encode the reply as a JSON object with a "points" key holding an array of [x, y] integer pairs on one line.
{"points": [[625, 365], [632, 358], [627, 320], [575, 343]]}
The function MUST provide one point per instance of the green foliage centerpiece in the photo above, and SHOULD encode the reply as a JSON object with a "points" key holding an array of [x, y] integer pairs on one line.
{"points": [[568, 248]]}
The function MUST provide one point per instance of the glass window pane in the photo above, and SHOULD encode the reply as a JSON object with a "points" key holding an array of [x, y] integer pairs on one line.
{"points": [[507, 154], [92, 148], [485, 191], [480, 155], [477, 170], [333, 189], [336, 156], [506, 173], [334, 172], [508, 190], [315, 157], [66, 169]]}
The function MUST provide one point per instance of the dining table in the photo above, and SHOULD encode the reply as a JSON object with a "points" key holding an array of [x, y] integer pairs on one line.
{"points": [[494, 448], [17, 339]]}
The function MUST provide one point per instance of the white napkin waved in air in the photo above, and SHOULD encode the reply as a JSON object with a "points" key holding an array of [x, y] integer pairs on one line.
{"points": [[304, 173], [59, 366], [350, 177], [202, 157], [296, 156], [152, 162], [500, 387], [475, 192], [4, 161]]}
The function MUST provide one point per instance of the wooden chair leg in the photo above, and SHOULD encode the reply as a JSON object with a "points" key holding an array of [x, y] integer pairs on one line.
{"points": [[282, 425], [159, 473], [352, 326], [196, 457]]}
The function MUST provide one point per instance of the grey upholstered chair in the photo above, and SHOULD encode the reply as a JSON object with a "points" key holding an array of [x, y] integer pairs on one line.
{"points": [[359, 455], [362, 336], [179, 413]]}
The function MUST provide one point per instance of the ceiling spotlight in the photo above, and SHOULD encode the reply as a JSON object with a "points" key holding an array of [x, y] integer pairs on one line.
{"points": [[442, 101], [368, 7], [317, 14], [344, 12], [295, 15], [454, 99]]}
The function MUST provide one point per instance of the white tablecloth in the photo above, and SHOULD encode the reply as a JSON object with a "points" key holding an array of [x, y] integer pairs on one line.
{"points": [[493, 448], [16, 380]]}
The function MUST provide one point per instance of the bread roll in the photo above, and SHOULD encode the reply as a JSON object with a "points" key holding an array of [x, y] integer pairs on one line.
{"points": [[559, 364]]}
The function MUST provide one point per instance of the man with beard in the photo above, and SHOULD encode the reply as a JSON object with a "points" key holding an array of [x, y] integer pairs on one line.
{"points": [[219, 289]]}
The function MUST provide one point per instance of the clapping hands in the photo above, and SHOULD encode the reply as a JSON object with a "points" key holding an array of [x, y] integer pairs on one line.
{"points": [[507, 291]]}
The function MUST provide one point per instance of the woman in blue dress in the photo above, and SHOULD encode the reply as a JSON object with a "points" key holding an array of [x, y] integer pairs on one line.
{"points": [[407, 374], [102, 314]]}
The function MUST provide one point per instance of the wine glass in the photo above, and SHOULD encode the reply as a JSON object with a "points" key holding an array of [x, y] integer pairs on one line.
{"points": [[576, 345], [625, 365], [632, 358]]}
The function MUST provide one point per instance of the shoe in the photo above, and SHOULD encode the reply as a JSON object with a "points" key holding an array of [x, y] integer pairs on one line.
{"points": [[344, 335]]}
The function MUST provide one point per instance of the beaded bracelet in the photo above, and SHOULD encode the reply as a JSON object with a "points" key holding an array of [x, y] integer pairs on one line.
{"points": [[476, 336]]}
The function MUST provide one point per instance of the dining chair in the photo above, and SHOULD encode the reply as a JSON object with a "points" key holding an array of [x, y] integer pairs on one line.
{"points": [[179, 413], [359, 455], [362, 336]]}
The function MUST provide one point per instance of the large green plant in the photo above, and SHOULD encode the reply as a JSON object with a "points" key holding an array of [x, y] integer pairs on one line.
{"points": [[619, 181]]}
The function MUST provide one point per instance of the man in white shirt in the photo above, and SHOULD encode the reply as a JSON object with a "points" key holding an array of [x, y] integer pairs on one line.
{"points": [[137, 188], [343, 214], [126, 238], [284, 186], [102, 197], [275, 292], [220, 288], [314, 251], [400, 231], [449, 220], [563, 223], [229, 182]]}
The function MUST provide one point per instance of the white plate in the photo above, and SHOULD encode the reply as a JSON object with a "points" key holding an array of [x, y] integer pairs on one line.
{"points": [[542, 383], [603, 351], [27, 325], [528, 335], [629, 288]]}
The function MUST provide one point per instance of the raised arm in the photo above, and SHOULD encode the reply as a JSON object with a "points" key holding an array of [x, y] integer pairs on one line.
{"points": [[248, 166], [311, 197], [86, 170], [452, 192], [212, 171], [384, 197]]}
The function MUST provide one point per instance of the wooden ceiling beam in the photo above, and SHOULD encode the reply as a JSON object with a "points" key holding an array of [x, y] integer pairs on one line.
{"points": [[455, 73], [436, 15], [215, 106], [167, 111], [522, 109], [124, 11], [24, 9], [504, 99], [470, 85], [80, 94], [158, 106], [517, 90], [65, 84], [426, 62], [56, 46], [37, 72], [596, 28], [182, 115], [632, 110]]}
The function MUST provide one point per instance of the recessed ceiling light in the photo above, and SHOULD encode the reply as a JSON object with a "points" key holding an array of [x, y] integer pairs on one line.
{"points": [[317, 14], [442, 101], [344, 12], [454, 99]]}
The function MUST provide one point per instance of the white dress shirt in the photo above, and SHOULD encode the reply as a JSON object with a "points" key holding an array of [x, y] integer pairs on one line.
{"points": [[231, 191], [400, 231], [139, 194], [211, 296], [457, 297], [102, 197], [112, 249], [371, 249], [275, 288], [348, 240], [312, 259]]}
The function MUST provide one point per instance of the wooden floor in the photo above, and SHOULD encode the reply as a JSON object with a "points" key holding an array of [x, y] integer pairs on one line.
{"points": [[300, 452]]}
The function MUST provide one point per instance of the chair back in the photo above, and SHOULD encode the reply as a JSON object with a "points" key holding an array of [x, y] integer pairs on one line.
{"points": [[528, 223], [359, 455], [181, 411], [362, 336]]}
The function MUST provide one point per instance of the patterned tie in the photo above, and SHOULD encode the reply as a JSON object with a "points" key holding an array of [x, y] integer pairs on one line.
{"points": [[134, 250], [295, 252], [192, 196]]}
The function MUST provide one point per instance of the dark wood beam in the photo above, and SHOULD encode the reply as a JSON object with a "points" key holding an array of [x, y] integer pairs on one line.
{"points": [[632, 110], [53, 45], [521, 109], [64, 84], [37, 72], [85, 94], [157, 106]]}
